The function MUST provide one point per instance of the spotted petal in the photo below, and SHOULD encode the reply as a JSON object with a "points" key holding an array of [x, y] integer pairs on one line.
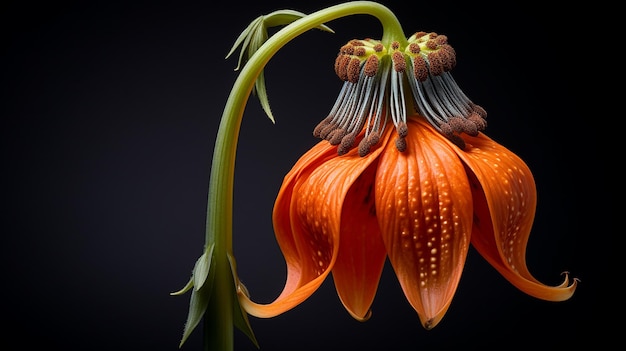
{"points": [[505, 199], [362, 252], [424, 206], [302, 279]]}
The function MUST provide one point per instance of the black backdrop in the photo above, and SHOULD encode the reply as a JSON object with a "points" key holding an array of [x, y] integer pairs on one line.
{"points": [[109, 115]]}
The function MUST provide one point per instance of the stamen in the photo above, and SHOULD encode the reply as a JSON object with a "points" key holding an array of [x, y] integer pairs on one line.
{"points": [[373, 92], [437, 96]]}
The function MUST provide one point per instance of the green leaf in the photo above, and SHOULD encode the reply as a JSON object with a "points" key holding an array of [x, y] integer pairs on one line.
{"points": [[240, 316], [203, 267], [197, 307], [202, 282]]}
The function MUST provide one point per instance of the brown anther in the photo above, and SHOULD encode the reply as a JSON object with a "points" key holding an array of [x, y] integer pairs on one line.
{"points": [[378, 47], [341, 66], [448, 57], [420, 70], [353, 69], [399, 63], [419, 34], [359, 51], [402, 129], [469, 127], [395, 45], [441, 39], [366, 144], [346, 143], [325, 131], [320, 126], [431, 44], [457, 124], [480, 122], [346, 49], [414, 48], [432, 35], [481, 111], [371, 66], [356, 42], [334, 137], [401, 144], [435, 63]]}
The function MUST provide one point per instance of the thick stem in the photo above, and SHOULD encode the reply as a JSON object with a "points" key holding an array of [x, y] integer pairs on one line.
{"points": [[219, 316]]}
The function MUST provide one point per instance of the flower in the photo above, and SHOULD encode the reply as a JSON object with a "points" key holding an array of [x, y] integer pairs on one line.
{"points": [[418, 193]]}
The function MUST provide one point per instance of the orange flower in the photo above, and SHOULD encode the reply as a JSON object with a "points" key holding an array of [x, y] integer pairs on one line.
{"points": [[418, 193]]}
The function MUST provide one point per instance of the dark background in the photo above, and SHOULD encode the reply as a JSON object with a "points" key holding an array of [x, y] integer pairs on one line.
{"points": [[109, 116]]}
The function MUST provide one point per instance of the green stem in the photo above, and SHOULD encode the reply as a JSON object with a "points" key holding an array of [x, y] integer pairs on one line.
{"points": [[219, 316]]}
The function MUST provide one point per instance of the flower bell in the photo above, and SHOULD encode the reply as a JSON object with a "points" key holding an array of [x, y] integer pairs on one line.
{"points": [[418, 193]]}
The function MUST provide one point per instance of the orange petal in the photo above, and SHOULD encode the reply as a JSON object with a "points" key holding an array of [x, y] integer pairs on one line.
{"points": [[505, 199], [302, 279], [424, 206], [362, 252]]}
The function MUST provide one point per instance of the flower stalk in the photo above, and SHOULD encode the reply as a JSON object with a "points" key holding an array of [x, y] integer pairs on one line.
{"points": [[214, 280]]}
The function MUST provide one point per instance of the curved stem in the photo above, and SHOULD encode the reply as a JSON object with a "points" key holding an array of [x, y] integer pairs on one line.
{"points": [[219, 316]]}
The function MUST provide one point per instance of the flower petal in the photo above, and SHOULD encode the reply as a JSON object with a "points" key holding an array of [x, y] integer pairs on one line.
{"points": [[362, 252], [505, 199], [302, 279], [424, 206]]}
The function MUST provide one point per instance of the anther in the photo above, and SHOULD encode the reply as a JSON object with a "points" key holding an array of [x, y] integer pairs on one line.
{"points": [[402, 129], [341, 66], [435, 64], [353, 69], [401, 144], [359, 51], [366, 144], [441, 39], [317, 132], [414, 48], [420, 70], [395, 45], [399, 63], [335, 136], [371, 66], [346, 143], [378, 47]]}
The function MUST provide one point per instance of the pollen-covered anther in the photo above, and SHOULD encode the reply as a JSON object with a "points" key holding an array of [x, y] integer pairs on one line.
{"points": [[478, 109], [401, 144], [414, 48], [399, 63], [353, 70], [420, 69], [346, 143], [395, 45], [341, 66], [335, 136], [479, 121], [371, 66], [378, 47], [431, 44], [441, 39], [435, 63], [366, 144], [317, 132], [447, 56], [402, 129], [347, 49], [359, 51], [325, 130]]}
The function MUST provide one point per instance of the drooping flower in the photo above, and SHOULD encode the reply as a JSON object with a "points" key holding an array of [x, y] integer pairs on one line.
{"points": [[404, 172]]}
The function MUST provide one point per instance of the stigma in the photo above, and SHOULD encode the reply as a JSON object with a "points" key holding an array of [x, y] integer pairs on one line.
{"points": [[378, 81]]}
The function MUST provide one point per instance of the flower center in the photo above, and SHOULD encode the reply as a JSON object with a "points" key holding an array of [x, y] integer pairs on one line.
{"points": [[376, 81]]}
